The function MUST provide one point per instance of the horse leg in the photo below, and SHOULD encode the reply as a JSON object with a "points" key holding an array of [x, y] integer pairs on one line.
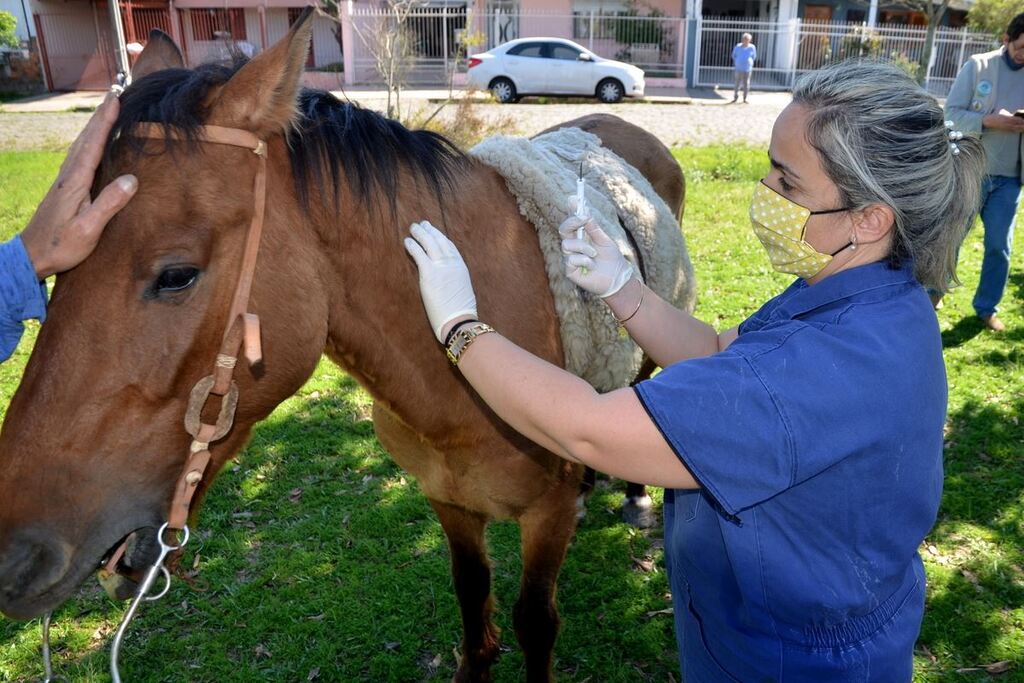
{"points": [[471, 572], [637, 506], [587, 484], [546, 532]]}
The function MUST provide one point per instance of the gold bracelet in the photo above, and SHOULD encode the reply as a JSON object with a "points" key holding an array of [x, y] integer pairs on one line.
{"points": [[463, 337], [623, 321]]}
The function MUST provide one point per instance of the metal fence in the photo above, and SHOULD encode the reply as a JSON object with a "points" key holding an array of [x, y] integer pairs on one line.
{"points": [[787, 49], [436, 39]]}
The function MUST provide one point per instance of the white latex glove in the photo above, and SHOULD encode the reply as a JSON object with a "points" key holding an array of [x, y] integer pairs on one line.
{"points": [[593, 263], [444, 278]]}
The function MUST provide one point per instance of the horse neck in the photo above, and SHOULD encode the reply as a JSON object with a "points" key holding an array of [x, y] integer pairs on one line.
{"points": [[377, 327]]}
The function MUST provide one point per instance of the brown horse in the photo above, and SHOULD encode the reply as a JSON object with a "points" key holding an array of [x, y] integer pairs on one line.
{"points": [[93, 440]]}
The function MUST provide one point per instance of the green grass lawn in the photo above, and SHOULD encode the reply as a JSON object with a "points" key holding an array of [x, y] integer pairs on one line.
{"points": [[320, 560]]}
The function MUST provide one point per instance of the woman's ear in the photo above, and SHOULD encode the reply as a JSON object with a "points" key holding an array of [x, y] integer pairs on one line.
{"points": [[873, 223]]}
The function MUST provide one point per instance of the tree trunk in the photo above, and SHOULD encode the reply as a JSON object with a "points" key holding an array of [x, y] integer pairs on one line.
{"points": [[934, 15]]}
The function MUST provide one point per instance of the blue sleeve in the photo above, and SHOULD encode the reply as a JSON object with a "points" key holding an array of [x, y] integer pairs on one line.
{"points": [[22, 295], [779, 406], [753, 52], [725, 424], [736, 47]]}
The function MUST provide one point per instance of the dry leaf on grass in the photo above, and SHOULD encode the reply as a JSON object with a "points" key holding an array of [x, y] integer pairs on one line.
{"points": [[994, 668]]}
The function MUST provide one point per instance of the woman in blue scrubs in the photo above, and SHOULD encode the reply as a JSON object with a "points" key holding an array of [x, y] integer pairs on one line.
{"points": [[802, 451]]}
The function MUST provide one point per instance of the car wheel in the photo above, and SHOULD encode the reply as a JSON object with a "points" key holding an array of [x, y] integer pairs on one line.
{"points": [[610, 91], [504, 90]]}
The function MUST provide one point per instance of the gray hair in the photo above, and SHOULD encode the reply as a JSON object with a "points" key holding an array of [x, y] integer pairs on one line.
{"points": [[747, 36], [882, 140]]}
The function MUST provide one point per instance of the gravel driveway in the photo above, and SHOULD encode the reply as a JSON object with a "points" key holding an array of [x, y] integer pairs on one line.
{"points": [[700, 123], [674, 124]]}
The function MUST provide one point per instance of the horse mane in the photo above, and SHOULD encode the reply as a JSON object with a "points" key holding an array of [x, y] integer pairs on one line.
{"points": [[329, 138]]}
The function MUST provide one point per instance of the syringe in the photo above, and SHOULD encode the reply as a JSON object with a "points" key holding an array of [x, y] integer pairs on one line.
{"points": [[581, 201]]}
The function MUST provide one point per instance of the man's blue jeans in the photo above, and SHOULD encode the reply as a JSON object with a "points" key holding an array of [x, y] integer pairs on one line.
{"points": [[1000, 196]]}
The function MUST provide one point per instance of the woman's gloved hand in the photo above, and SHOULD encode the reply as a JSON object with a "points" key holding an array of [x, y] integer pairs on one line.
{"points": [[593, 263], [444, 278]]}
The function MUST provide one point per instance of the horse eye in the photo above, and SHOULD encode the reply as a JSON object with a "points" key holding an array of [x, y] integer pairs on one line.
{"points": [[175, 279]]}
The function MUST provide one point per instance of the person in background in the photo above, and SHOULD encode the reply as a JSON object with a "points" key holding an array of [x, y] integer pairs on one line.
{"points": [[743, 57], [802, 451], [987, 92], [63, 231]]}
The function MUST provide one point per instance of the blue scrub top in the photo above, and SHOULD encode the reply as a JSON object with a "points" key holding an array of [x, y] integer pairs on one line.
{"points": [[817, 439]]}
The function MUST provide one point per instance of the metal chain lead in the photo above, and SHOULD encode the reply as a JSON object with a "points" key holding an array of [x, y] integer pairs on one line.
{"points": [[47, 658], [157, 569]]}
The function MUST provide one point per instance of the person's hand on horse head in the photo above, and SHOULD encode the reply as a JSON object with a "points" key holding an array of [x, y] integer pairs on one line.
{"points": [[68, 223], [592, 259], [444, 278]]}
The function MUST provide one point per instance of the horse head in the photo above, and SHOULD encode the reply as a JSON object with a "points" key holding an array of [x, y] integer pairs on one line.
{"points": [[93, 442]]}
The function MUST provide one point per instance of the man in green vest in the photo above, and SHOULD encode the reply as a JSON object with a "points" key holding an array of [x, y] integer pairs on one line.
{"points": [[987, 99]]}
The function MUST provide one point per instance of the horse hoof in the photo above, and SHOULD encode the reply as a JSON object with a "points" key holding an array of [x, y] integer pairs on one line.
{"points": [[638, 511]]}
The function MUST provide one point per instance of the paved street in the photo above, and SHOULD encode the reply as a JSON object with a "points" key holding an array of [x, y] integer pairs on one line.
{"points": [[699, 118]]}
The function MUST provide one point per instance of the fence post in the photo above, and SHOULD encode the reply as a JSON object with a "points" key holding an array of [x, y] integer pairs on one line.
{"points": [[931, 57], [696, 49], [444, 39], [348, 41], [175, 23], [590, 32], [681, 47], [963, 47], [794, 50]]}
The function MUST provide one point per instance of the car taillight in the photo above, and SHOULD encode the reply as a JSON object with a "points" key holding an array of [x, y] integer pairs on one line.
{"points": [[473, 61]]}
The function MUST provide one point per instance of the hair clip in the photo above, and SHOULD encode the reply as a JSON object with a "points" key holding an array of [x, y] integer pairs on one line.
{"points": [[954, 137]]}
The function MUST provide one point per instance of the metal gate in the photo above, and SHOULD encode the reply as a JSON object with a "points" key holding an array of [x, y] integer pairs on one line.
{"points": [[77, 42], [787, 49], [76, 47]]}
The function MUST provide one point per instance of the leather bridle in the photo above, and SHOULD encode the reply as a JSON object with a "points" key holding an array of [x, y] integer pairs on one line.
{"points": [[242, 332]]}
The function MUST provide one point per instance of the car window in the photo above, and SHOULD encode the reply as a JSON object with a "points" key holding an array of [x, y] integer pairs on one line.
{"points": [[526, 50], [560, 51]]}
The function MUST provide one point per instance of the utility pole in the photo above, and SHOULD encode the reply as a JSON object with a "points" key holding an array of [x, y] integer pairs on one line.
{"points": [[28, 25], [124, 77]]}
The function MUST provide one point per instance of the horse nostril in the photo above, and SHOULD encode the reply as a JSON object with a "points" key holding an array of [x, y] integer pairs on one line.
{"points": [[29, 564]]}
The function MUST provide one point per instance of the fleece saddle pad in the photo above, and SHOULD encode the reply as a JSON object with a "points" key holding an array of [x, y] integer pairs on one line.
{"points": [[542, 173]]}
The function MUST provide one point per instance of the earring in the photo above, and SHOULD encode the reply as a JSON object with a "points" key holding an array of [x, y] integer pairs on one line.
{"points": [[853, 242]]}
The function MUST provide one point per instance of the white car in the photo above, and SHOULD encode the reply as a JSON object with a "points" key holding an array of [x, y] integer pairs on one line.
{"points": [[552, 66]]}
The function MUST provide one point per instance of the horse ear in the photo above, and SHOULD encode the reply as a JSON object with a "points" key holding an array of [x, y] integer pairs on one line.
{"points": [[261, 96], [160, 53]]}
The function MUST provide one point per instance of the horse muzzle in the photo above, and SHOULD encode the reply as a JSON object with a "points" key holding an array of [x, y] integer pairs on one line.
{"points": [[121, 581], [34, 566]]}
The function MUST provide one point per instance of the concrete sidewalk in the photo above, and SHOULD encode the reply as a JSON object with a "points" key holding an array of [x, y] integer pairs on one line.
{"points": [[372, 97]]}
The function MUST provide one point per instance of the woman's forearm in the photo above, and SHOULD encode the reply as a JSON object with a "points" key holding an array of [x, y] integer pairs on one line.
{"points": [[665, 333], [611, 433]]}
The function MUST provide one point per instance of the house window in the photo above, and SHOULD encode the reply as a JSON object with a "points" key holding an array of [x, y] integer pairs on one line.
{"points": [[904, 17], [218, 24], [602, 12]]}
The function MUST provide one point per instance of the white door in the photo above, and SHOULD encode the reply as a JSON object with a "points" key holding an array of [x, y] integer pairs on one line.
{"points": [[526, 66], [567, 73]]}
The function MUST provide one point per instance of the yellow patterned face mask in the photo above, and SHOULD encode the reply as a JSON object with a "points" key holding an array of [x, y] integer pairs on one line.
{"points": [[780, 224]]}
